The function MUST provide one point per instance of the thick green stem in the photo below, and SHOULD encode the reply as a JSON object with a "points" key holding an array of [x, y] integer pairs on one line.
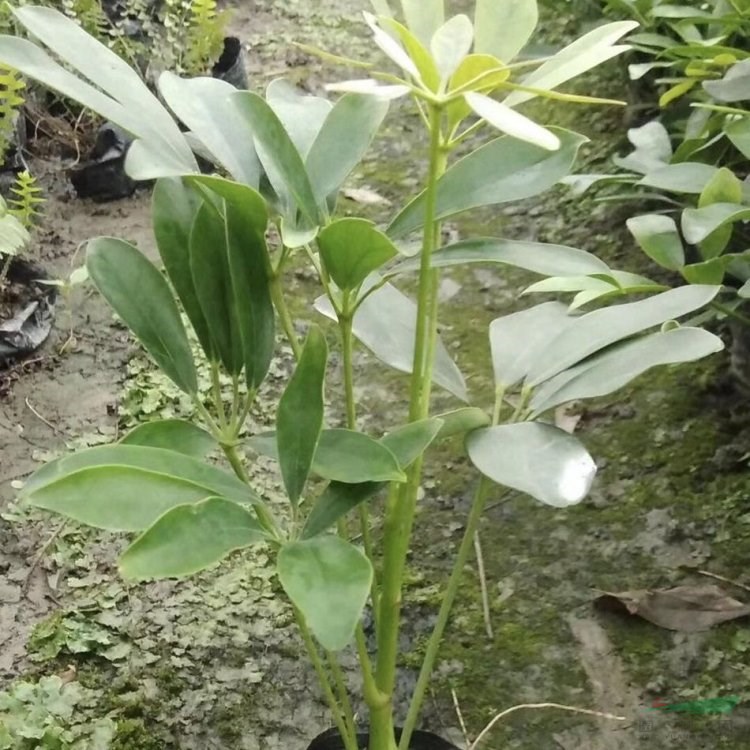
{"points": [[433, 645], [402, 499], [277, 295], [350, 740]]}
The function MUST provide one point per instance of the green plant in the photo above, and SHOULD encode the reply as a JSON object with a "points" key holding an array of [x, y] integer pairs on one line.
{"points": [[11, 101], [68, 286], [205, 36], [27, 199], [41, 716], [14, 238], [287, 155], [193, 33]]}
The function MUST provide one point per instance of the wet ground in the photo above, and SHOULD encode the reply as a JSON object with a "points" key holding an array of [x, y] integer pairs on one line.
{"points": [[215, 663]]}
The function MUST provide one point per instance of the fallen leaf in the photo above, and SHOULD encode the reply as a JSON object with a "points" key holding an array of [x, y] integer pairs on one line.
{"points": [[565, 419], [686, 608], [365, 196]]}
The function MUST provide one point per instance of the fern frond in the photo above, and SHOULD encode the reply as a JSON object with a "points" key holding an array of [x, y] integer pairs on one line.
{"points": [[205, 36], [27, 200], [11, 102]]}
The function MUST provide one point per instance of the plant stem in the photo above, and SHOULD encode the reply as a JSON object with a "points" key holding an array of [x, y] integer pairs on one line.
{"points": [[350, 741], [347, 347], [343, 696], [264, 516], [402, 499], [730, 313], [218, 403], [433, 645], [279, 302]]}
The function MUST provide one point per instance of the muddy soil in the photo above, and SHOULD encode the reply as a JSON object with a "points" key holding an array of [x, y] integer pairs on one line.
{"points": [[214, 662]]}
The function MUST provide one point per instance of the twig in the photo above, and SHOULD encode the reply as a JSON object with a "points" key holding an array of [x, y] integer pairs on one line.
{"points": [[460, 716], [559, 706], [483, 586], [40, 417], [725, 580], [42, 552]]}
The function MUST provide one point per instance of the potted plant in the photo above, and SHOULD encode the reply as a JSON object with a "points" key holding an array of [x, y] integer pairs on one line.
{"points": [[286, 165]]}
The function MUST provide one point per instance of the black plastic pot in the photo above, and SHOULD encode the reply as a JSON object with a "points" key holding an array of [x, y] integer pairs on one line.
{"points": [[31, 319], [230, 67], [331, 740], [103, 176]]}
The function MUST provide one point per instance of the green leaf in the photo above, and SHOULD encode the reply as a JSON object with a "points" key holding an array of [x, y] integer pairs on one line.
{"points": [[513, 123], [734, 87], [700, 223], [299, 418], [343, 141], [215, 481], [599, 287], [212, 278], [353, 457], [461, 421], [504, 28], [190, 538], [352, 249], [659, 238], [450, 44], [598, 329], [278, 155], [584, 53], [245, 218], [174, 435], [386, 324], [417, 51], [709, 272], [302, 115], [538, 257], [174, 207], [538, 459], [688, 177], [423, 17], [652, 149], [738, 132], [117, 498], [203, 105], [368, 459], [406, 443], [409, 442], [723, 188], [140, 295], [328, 581], [616, 367], [480, 73], [336, 500], [516, 339], [391, 47], [118, 93], [501, 171]]}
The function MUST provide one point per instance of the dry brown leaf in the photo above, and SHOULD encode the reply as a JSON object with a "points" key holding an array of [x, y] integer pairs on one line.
{"points": [[365, 196], [686, 608], [566, 419]]}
